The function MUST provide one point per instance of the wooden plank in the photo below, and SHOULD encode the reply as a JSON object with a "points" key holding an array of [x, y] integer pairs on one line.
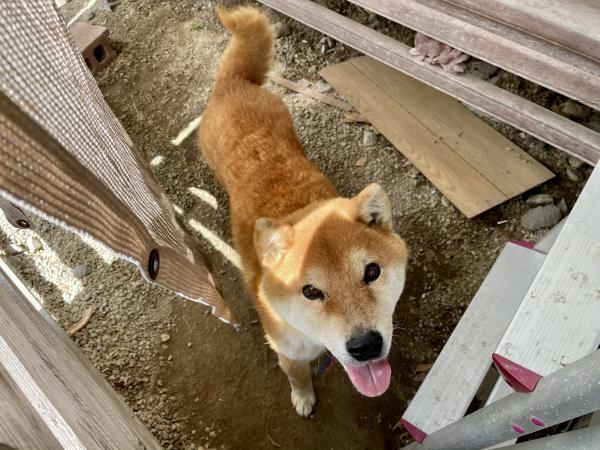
{"points": [[572, 24], [473, 165], [72, 398], [557, 323], [521, 53], [21, 427], [452, 382], [552, 128], [323, 98], [506, 166]]}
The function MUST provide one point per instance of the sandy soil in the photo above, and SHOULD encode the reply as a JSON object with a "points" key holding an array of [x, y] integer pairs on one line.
{"points": [[192, 379]]}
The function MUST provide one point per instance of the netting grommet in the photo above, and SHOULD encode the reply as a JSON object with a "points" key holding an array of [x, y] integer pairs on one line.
{"points": [[153, 264]]}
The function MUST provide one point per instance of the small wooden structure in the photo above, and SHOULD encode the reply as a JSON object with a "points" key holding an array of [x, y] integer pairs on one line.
{"points": [[571, 67]]}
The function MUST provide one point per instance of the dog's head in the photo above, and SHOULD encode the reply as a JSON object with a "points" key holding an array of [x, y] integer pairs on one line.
{"points": [[335, 271]]}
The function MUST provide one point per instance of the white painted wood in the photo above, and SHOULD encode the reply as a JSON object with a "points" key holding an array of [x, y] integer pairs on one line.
{"points": [[584, 439], [559, 319], [545, 243], [64, 391], [457, 373]]}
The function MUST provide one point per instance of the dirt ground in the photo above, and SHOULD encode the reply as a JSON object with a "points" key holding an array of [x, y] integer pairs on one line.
{"points": [[193, 380]]}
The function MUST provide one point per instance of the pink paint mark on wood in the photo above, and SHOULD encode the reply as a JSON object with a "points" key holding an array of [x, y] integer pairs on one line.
{"points": [[525, 244], [417, 434], [518, 428], [537, 422], [518, 377]]}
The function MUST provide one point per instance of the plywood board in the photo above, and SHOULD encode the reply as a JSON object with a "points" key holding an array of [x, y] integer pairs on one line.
{"points": [[472, 164]]}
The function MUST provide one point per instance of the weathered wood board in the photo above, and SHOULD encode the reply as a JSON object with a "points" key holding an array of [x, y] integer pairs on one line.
{"points": [[558, 321], [536, 120], [50, 394], [472, 164], [452, 382]]}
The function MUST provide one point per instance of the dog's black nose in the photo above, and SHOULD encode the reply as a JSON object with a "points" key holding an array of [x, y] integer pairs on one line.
{"points": [[366, 346]]}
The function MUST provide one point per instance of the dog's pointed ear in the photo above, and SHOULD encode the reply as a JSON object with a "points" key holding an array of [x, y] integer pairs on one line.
{"points": [[271, 240], [373, 207]]}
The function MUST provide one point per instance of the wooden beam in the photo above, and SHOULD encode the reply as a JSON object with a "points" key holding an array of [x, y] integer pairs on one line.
{"points": [[552, 128], [557, 323], [572, 25], [521, 53], [54, 388]]}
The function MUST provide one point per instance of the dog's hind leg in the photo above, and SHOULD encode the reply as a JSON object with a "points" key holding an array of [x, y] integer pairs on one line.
{"points": [[299, 374]]}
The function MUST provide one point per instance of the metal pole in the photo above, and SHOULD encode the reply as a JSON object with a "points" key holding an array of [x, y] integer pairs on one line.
{"points": [[567, 393], [584, 439]]}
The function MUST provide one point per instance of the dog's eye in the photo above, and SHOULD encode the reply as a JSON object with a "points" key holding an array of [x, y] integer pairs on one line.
{"points": [[312, 293], [372, 272]]}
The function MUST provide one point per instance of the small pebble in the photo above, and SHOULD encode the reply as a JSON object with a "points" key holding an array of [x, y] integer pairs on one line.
{"points": [[15, 249], [323, 87], [281, 29], [575, 110], [369, 138], [572, 175], [540, 200], [164, 337], [564, 208], [575, 163], [81, 270], [34, 244], [445, 201], [361, 161]]}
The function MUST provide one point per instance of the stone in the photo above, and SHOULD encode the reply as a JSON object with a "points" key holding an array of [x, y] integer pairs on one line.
{"points": [[483, 70], [164, 337], [572, 175], [575, 110], [540, 200], [323, 87], [34, 244], [369, 138], [594, 124], [281, 29], [15, 249], [541, 217], [562, 205], [574, 162], [445, 201], [81, 270]]}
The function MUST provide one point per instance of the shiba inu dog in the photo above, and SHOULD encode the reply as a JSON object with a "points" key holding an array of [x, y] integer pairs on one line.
{"points": [[325, 272]]}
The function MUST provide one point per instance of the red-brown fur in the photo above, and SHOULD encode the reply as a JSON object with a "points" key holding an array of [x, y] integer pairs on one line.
{"points": [[248, 138]]}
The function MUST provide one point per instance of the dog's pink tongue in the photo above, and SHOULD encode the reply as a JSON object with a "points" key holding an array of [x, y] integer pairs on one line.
{"points": [[372, 379]]}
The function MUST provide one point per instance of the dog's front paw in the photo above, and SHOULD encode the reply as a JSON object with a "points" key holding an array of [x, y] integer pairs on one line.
{"points": [[303, 402]]}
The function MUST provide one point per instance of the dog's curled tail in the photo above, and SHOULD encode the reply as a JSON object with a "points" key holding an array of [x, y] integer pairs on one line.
{"points": [[250, 51]]}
